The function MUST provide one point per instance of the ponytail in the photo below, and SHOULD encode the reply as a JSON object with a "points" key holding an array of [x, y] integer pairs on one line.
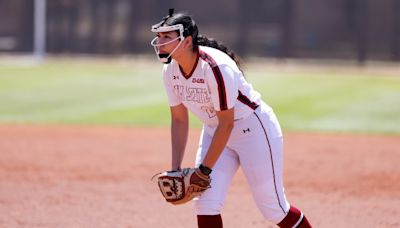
{"points": [[210, 42]]}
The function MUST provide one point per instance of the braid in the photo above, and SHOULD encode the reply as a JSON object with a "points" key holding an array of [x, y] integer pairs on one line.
{"points": [[210, 42]]}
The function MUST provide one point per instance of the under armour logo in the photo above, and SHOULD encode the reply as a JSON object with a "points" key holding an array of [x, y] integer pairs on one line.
{"points": [[246, 130], [176, 77]]}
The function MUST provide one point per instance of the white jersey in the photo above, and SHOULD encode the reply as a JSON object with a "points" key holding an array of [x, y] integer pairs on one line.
{"points": [[255, 142], [215, 84]]}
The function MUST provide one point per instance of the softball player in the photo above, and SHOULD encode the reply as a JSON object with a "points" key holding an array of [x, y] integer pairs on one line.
{"points": [[203, 76]]}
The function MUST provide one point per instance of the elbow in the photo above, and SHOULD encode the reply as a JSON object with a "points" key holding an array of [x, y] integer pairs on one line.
{"points": [[227, 126], [179, 121], [230, 126]]}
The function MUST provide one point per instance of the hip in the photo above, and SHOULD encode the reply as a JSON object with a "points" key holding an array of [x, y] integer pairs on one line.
{"points": [[262, 119]]}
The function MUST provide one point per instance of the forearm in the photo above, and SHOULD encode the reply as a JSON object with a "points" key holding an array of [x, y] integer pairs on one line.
{"points": [[179, 135], [218, 144]]}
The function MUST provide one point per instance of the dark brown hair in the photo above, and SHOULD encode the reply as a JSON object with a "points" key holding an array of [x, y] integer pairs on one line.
{"points": [[191, 29]]}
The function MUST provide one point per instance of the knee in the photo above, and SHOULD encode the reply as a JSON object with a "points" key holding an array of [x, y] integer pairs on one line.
{"points": [[208, 207], [273, 207], [273, 215]]}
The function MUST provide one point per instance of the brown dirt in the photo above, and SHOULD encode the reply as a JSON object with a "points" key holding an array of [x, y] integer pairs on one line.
{"points": [[100, 177]]}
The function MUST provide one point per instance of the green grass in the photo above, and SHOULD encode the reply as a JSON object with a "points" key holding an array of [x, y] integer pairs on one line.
{"points": [[86, 92], [323, 101], [130, 92]]}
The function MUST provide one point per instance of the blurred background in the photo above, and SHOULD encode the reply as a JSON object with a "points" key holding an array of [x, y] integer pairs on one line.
{"points": [[322, 65], [341, 29]]}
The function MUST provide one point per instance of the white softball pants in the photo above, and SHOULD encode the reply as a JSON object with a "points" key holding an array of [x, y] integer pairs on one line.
{"points": [[256, 145]]}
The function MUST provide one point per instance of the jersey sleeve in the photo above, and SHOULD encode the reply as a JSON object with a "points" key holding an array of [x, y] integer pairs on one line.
{"points": [[223, 85], [173, 98]]}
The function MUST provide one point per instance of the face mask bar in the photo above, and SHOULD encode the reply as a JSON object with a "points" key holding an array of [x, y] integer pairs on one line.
{"points": [[166, 58], [155, 42]]}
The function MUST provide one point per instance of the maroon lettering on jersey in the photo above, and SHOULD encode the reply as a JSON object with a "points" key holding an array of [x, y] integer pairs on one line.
{"points": [[198, 80]]}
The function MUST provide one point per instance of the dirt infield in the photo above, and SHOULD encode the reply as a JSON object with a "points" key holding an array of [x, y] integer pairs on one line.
{"points": [[100, 177]]}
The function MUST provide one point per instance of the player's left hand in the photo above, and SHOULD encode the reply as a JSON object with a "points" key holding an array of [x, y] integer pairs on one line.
{"points": [[182, 186]]}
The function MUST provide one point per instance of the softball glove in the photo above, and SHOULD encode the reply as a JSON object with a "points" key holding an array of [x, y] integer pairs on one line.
{"points": [[182, 186]]}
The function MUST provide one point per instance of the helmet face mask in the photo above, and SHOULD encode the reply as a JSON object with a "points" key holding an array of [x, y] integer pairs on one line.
{"points": [[158, 28]]}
